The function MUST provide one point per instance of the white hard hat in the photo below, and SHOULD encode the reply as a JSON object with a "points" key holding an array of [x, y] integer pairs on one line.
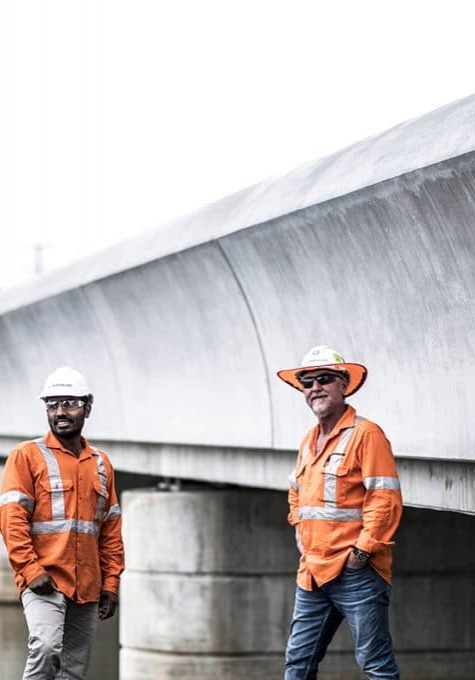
{"points": [[323, 356], [65, 382]]}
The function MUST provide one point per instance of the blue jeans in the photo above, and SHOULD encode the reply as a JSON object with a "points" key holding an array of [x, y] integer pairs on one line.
{"points": [[362, 597]]}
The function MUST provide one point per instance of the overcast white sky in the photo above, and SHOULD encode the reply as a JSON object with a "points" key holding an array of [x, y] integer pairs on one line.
{"points": [[118, 115]]}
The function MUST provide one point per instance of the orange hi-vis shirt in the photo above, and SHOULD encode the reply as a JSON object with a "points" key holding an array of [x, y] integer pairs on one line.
{"points": [[348, 496], [59, 515]]}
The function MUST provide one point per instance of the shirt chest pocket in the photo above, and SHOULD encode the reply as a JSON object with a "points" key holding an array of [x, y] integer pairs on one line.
{"points": [[55, 495], [335, 476]]}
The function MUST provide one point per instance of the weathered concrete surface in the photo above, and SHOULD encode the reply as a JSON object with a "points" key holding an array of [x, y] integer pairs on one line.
{"points": [[213, 593], [208, 532], [370, 250], [184, 613], [206, 614]]}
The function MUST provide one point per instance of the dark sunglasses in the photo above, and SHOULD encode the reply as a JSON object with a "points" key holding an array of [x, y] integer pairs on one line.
{"points": [[323, 379]]}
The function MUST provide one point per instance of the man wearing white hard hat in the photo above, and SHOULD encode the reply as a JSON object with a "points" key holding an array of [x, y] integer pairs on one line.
{"points": [[61, 524], [345, 504]]}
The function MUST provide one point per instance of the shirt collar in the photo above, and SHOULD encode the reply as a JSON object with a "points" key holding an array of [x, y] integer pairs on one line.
{"points": [[53, 443], [347, 420]]}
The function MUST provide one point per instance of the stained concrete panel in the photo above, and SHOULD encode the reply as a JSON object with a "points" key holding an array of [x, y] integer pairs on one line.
{"points": [[214, 592], [213, 532], [205, 614], [171, 617]]}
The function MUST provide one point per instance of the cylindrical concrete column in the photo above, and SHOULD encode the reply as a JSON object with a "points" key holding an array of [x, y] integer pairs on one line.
{"points": [[208, 591]]}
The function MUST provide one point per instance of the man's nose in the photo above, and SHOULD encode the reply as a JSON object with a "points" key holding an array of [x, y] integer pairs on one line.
{"points": [[60, 408]]}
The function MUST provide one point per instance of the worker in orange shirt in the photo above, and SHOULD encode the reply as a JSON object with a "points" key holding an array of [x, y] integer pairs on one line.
{"points": [[61, 524], [345, 504]]}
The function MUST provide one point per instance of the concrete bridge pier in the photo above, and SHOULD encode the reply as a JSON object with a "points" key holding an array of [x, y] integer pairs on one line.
{"points": [[208, 590]]}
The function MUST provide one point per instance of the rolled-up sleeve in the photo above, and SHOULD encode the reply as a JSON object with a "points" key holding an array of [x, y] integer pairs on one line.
{"points": [[382, 505], [16, 508]]}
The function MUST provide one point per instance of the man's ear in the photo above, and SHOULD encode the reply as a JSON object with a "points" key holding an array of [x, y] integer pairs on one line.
{"points": [[88, 406]]}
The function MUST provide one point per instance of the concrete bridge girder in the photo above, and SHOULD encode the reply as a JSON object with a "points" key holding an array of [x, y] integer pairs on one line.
{"points": [[384, 275], [181, 331]]}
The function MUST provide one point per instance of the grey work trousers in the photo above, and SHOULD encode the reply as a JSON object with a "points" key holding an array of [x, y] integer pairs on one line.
{"points": [[61, 633]]}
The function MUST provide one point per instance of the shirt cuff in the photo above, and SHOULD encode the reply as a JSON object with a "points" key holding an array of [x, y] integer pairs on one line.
{"points": [[110, 583], [31, 572], [370, 545]]}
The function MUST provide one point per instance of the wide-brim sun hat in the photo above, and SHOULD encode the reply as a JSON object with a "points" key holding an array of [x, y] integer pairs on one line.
{"points": [[323, 356]]}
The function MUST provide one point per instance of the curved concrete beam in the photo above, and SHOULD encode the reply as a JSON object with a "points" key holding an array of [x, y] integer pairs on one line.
{"points": [[182, 330]]}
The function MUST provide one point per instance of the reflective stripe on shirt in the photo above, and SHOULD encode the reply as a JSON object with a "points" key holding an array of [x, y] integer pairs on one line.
{"points": [[333, 464], [18, 497], [55, 480], [59, 523], [293, 480], [101, 501], [329, 510], [373, 483], [61, 526], [114, 511], [331, 468], [331, 513]]}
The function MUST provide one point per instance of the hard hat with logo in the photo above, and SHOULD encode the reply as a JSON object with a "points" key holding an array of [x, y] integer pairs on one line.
{"points": [[323, 356], [65, 382]]}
